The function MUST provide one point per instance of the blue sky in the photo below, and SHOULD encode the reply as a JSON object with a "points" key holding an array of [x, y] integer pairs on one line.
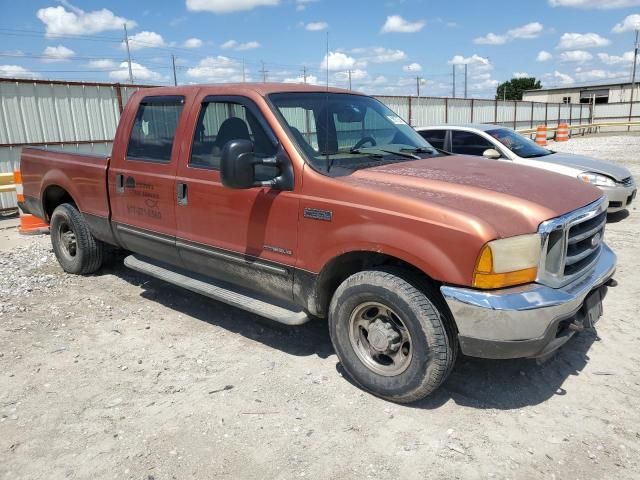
{"points": [[385, 44]]}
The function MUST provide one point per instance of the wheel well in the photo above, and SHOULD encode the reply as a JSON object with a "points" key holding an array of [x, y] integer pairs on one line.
{"points": [[53, 197], [342, 267]]}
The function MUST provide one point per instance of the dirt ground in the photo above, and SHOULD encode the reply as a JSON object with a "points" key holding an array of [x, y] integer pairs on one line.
{"points": [[121, 376]]}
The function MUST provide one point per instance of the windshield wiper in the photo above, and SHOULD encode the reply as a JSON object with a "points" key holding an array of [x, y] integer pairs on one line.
{"points": [[371, 151], [432, 151]]}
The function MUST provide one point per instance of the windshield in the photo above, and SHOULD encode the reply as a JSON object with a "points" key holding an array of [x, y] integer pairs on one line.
{"points": [[518, 144], [341, 129]]}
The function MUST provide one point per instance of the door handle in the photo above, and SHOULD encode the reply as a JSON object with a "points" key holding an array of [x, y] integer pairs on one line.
{"points": [[181, 192], [119, 183]]}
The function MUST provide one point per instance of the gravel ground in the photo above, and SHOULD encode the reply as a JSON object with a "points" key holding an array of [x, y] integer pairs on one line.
{"points": [[120, 376]]}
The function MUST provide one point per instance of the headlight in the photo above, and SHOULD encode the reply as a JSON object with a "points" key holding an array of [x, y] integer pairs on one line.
{"points": [[508, 261], [597, 179]]}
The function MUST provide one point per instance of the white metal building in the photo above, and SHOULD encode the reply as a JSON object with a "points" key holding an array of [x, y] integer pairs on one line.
{"points": [[585, 93]]}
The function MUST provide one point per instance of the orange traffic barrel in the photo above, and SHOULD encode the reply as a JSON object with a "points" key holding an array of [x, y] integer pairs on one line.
{"points": [[562, 134], [29, 225], [541, 135]]}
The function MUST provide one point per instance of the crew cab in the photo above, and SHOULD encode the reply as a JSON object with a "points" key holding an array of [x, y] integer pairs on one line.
{"points": [[295, 202]]}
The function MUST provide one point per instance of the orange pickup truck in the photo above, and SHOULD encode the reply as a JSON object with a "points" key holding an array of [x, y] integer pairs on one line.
{"points": [[295, 202]]}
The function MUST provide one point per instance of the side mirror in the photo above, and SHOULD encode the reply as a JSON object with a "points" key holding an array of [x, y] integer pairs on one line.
{"points": [[238, 162], [491, 153]]}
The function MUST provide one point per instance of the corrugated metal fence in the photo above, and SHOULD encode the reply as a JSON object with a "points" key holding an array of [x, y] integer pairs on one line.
{"points": [[82, 117]]}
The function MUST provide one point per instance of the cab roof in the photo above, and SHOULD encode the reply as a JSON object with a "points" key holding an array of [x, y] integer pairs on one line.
{"points": [[259, 88]]}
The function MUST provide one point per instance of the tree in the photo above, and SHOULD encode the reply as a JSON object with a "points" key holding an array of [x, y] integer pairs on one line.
{"points": [[515, 88]]}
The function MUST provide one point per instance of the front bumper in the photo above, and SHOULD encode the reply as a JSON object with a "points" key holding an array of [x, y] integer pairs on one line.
{"points": [[524, 321], [619, 197]]}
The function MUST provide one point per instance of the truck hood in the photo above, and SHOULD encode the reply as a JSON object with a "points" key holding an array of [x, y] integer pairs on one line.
{"points": [[587, 164], [510, 199]]}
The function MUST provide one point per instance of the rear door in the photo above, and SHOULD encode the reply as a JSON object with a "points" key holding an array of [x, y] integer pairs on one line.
{"points": [[246, 237], [469, 143], [142, 179]]}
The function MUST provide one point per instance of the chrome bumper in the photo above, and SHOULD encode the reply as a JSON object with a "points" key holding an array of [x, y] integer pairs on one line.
{"points": [[521, 321]]}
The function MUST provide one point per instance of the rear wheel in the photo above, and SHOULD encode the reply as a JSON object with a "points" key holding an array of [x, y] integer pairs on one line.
{"points": [[73, 243], [390, 336]]}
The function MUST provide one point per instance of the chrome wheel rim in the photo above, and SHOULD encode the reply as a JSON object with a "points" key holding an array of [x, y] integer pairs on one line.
{"points": [[380, 338], [68, 242]]}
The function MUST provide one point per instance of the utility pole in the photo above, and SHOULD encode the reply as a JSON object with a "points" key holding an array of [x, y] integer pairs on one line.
{"points": [[465, 80], [454, 80], [244, 75], [418, 80], [126, 42], [264, 73], [173, 64], [635, 61], [304, 73], [349, 72]]}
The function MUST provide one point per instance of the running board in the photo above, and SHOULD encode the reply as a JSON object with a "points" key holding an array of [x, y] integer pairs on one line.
{"points": [[238, 298]]}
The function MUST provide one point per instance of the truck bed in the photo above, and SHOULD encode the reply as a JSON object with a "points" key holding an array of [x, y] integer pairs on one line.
{"points": [[84, 176]]}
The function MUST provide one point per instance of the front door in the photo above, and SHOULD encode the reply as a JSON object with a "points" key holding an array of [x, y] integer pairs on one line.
{"points": [[245, 237], [142, 180]]}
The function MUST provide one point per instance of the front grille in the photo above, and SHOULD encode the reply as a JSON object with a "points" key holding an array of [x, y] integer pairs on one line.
{"points": [[627, 182], [571, 244]]}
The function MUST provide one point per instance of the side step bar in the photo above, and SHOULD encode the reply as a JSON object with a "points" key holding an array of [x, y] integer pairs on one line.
{"points": [[238, 298]]}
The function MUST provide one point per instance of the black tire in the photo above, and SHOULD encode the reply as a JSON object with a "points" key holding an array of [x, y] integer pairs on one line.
{"points": [[74, 245], [432, 347]]}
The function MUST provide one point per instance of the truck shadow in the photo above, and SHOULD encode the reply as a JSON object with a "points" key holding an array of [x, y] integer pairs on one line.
{"points": [[617, 216], [512, 384], [311, 338], [475, 383]]}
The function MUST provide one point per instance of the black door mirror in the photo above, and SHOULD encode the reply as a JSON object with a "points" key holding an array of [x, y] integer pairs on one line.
{"points": [[238, 162]]}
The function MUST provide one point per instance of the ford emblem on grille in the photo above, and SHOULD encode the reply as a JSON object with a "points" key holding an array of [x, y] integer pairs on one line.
{"points": [[595, 240]]}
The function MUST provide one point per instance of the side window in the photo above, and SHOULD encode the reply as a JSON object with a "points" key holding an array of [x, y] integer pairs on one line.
{"points": [[218, 124], [154, 129], [434, 137], [468, 143]]}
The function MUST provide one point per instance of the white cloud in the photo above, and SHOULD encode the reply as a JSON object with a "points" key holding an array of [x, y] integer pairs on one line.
{"points": [[105, 64], [576, 56], [316, 26], [57, 54], [629, 24], [140, 73], [475, 60], [521, 75], [145, 39], [597, 74], [192, 43], [379, 55], [412, 67], [311, 80], [573, 41], [397, 24], [235, 45], [599, 4], [543, 56], [217, 69], [302, 4], [340, 61], [228, 6], [626, 58], [16, 71], [528, 31], [60, 21], [563, 78]]}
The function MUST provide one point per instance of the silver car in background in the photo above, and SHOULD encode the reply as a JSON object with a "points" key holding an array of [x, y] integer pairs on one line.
{"points": [[502, 143]]}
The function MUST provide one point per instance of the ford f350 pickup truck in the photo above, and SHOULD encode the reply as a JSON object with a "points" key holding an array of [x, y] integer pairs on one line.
{"points": [[294, 202]]}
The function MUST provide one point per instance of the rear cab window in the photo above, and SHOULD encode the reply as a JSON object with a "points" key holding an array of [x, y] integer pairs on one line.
{"points": [[154, 129]]}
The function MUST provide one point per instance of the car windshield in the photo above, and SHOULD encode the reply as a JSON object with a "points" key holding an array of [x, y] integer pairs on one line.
{"points": [[518, 144], [346, 130]]}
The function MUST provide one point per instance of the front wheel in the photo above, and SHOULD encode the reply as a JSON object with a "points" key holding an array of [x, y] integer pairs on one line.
{"points": [[75, 247], [390, 337]]}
